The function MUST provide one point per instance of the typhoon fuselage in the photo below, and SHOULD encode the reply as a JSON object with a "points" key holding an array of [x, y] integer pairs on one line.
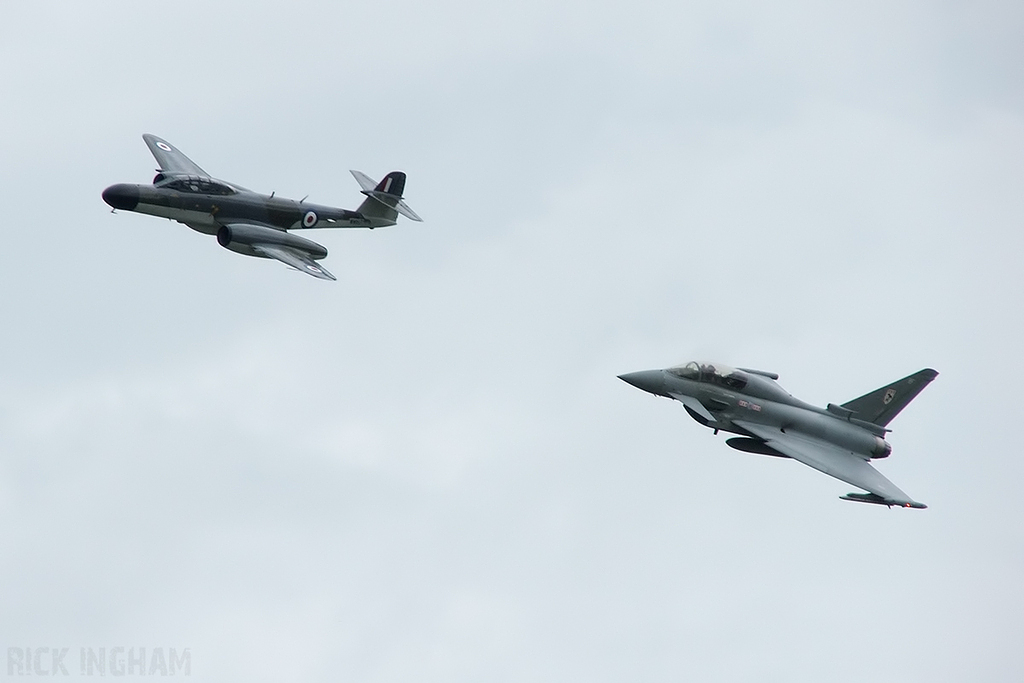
{"points": [[839, 440]]}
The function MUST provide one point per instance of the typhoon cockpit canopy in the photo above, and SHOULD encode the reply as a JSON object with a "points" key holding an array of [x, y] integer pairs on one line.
{"points": [[711, 373]]}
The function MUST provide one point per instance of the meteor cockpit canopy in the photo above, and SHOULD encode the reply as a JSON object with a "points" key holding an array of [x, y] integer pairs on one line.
{"points": [[194, 184]]}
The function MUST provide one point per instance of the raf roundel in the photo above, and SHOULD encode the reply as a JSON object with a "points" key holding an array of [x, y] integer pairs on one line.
{"points": [[309, 220], [164, 146]]}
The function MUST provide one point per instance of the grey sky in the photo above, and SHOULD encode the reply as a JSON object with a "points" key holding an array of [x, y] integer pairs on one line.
{"points": [[428, 469]]}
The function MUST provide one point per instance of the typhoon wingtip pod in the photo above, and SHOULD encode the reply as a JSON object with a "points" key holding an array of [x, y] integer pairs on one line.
{"points": [[840, 440], [879, 500]]}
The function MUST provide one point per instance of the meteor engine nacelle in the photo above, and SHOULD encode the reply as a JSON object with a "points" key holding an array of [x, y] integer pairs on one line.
{"points": [[242, 238]]}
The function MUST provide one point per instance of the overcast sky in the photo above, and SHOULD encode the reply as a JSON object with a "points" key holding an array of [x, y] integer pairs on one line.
{"points": [[428, 470]]}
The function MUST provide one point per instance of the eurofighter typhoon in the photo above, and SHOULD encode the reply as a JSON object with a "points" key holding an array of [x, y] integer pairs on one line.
{"points": [[840, 440], [248, 222]]}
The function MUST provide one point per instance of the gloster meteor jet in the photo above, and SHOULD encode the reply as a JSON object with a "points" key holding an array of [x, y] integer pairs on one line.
{"points": [[248, 222], [840, 440]]}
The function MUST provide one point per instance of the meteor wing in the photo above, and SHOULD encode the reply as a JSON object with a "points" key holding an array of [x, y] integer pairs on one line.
{"points": [[835, 462], [170, 160], [295, 259]]}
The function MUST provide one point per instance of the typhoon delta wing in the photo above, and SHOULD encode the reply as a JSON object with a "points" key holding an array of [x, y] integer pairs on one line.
{"points": [[250, 223], [840, 440]]}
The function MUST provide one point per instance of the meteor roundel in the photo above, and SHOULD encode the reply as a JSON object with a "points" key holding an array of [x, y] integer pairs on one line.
{"points": [[309, 220]]}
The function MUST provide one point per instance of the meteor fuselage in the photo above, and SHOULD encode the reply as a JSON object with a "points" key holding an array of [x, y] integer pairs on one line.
{"points": [[206, 206]]}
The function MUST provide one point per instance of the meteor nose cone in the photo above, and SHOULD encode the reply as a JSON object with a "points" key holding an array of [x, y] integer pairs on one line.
{"points": [[122, 196], [651, 381]]}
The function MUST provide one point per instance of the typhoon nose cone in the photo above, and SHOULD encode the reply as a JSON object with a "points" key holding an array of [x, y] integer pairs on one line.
{"points": [[122, 196], [651, 381]]}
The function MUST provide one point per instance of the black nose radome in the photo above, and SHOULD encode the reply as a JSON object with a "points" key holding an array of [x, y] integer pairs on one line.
{"points": [[122, 196]]}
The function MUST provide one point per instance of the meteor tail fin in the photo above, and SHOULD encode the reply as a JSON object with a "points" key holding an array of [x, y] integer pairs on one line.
{"points": [[384, 199]]}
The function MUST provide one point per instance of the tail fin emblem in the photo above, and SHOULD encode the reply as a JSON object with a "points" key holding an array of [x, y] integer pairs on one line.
{"points": [[889, 396]]}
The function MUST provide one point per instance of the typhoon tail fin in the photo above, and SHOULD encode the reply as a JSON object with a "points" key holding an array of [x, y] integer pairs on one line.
{"points": [[882, 405], [384, 199]]}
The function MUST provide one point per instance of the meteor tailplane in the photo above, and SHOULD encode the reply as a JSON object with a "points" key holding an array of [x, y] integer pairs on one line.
{"points": [[384, 199]]}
